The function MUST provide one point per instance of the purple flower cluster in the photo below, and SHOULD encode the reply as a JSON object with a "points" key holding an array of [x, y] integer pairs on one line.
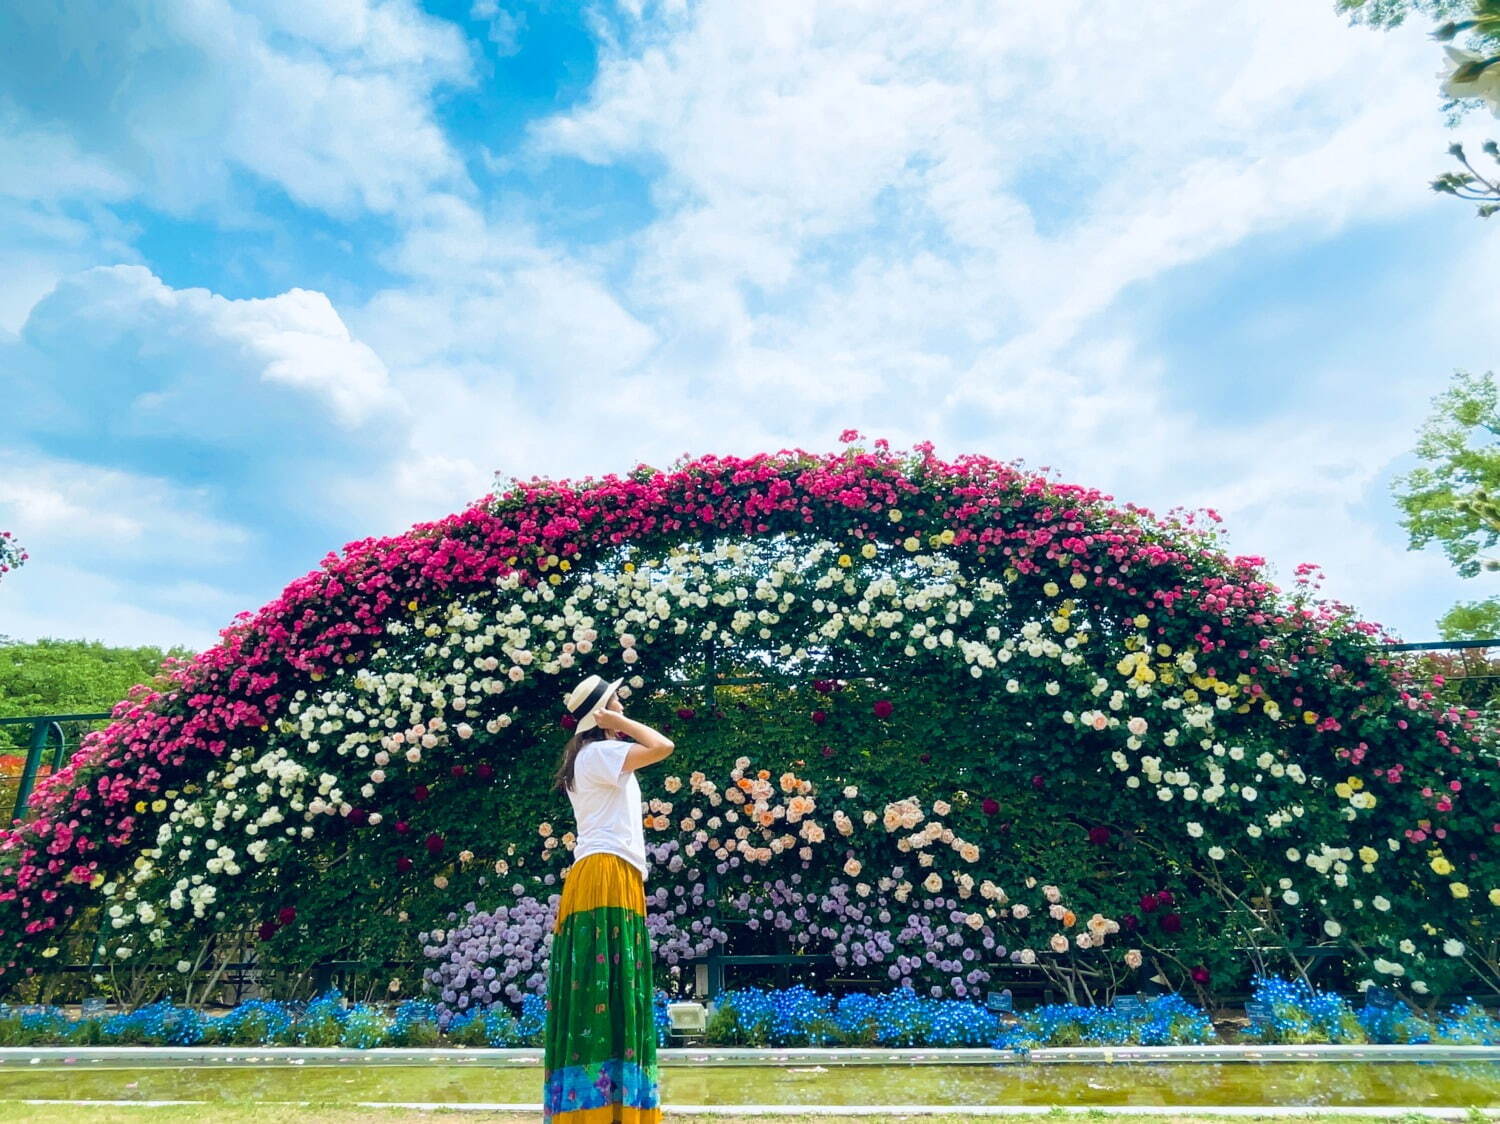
{"points": [[924, 941], [490, 957], [677, 917]]}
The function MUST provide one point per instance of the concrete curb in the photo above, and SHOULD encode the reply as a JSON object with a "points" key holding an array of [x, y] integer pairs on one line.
{"points": [[149, 1056]]}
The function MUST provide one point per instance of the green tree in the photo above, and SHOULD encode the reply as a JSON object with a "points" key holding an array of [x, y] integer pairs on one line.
{"points": [[1473, 80], [69, 676], [1386, 14], [1451, 498]]}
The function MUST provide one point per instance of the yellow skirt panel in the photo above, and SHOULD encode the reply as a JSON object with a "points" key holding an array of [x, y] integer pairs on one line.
{"points": [[600, 880], [609, 1114]]}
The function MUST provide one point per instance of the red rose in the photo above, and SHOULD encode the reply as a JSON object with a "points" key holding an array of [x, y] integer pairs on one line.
{"points": [[883, 708], [358, 817], [1130, 922], [1165, 897], [267, 930], [1038, 782], [286, 915], [925, 758], [402, 827], [819, 717], [568, 721], [686, 713], [1200, 974], [403, 864], [990, 806], [828, 751], [822, 686], [483, 771], [1148, 903], [457, 770], [1099, 836], [1171, 922], [434, 844], [420, 792]]}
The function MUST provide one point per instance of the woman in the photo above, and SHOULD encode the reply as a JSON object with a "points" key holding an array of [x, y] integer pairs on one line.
{"points": [[601, 1028]]}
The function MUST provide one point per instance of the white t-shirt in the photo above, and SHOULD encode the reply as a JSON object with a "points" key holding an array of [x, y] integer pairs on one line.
{"points": [[607, 804]]}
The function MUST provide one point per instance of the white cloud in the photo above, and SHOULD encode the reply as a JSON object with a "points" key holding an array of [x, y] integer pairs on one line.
{"points": [[328, 102], [154, 361], [111, 551], [66, 509]]}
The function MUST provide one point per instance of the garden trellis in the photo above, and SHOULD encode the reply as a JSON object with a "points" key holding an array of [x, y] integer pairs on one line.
{"points": [[1092, 736]]}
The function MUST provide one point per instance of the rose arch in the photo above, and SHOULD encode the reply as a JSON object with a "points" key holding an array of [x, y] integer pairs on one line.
{"points": [[936, 720]]}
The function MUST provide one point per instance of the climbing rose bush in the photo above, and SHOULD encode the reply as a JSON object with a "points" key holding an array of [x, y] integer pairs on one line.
{"points": [[964, 715], [12, 556]]}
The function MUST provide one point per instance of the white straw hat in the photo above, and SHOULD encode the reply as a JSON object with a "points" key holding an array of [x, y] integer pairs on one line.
{"points": [[588, 697]]}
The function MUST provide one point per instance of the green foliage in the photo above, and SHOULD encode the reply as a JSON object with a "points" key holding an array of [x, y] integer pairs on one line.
{"points": [[1460, 443], [1386, 14], [365, 1028], [67, 677], [1471, 620]]}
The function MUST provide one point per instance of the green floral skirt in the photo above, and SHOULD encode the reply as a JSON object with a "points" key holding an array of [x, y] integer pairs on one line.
{"points": [[601, 1028]]}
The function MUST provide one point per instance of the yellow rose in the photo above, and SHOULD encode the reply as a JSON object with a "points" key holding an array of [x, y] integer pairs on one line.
{"points": [[1458, 890], [912, 542], [1343, 790], [948, 537], [1440, 865], [845, 561], [1078, 581], [412, 604], [1309, 717], [868, 550], [1050, 589], [1368, 854], [1142, 621], [895, 514], [1495, 896], [630, 567]]}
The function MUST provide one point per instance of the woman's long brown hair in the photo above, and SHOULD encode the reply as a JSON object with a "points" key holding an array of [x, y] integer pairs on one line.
{"points": [[563, 780]]}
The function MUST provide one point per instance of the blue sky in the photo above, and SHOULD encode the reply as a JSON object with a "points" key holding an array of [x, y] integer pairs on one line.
{"points": [[280, 276]]}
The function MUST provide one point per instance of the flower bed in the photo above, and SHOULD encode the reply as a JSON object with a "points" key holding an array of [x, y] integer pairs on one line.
{"points": [[758, 1017]]}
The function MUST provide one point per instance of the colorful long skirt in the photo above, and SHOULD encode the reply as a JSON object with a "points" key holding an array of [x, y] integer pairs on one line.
{"points": [[601, 1030]]}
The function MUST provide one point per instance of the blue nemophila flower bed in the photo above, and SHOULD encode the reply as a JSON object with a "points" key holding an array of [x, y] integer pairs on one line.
{"points": [[324, 1021], [798, 1016], [795, 1016], [1299, 1013], [1168, 1020]]}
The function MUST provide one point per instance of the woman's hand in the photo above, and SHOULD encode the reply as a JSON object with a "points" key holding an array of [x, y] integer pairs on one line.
{"points": [[611, 720]]}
